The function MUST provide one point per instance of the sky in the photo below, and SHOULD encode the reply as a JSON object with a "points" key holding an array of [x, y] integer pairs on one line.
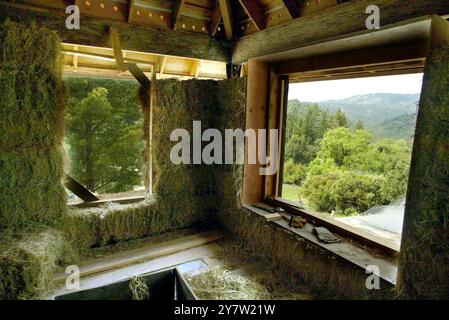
{"points": [[340, 89]]}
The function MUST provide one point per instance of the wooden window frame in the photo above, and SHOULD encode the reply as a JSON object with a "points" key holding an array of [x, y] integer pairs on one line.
{"points": [[397, 58]]}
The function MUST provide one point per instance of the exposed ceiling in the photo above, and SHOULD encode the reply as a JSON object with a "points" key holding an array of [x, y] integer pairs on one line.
{"points": [[230, 19]]}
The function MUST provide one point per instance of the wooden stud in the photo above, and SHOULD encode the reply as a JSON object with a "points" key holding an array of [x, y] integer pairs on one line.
{"points": [[256, 118], [256, 12]]}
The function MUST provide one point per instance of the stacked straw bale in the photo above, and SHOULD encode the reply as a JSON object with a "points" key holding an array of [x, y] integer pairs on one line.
{"points": [[32, 197]]}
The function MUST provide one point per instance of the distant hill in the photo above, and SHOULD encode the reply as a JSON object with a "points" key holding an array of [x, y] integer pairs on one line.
{"points": [[374, 108], [384, 114], [402, 127]]}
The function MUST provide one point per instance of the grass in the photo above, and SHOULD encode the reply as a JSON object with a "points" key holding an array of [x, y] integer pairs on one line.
{"points": [[290, 192]]}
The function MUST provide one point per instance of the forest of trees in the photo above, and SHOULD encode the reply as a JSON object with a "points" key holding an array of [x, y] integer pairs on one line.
{"points": [[338, 165], [104, 134]]}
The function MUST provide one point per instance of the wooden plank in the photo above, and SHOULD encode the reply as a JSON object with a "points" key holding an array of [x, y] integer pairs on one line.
{"points": [[140, 76], [256, 118], [333, 23], [370, 56], [79, 190], [215, 21], [142, 254], [115, 41], [93, 32], [292, 8], [269, 217], [226, 13], [256, 12]]}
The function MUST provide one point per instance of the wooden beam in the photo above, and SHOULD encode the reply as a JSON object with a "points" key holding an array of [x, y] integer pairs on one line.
{"points": [[256, 12], [336, 22], [226, 13], [93, 32], [146, 253], [79, 190], [115, 42], [177, 12], [140, 76], [215, 21], [93, 55], [256, 118], [292, 8], [400, 52]]}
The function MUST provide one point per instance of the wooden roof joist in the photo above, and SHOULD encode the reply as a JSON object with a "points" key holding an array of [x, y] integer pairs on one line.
{"points": [[93, 32]]}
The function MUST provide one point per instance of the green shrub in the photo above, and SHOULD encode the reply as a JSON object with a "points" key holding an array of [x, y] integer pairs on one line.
{"points": [[346, 192], [294, 173]]}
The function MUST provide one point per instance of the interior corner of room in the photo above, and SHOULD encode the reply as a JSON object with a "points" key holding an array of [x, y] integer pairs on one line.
{"points": [[87, 179]]}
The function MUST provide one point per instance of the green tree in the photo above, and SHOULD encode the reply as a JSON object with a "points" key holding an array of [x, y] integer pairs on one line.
{"points": [[351, 173], [340, 119], [104, 138]]}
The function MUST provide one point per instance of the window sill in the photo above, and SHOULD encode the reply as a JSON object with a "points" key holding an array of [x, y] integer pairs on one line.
{"points": [[338, 227], [122, 200], [346, 250]]}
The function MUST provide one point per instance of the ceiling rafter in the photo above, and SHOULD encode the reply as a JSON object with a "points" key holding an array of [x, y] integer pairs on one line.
{"points": [[226, 12], [177, 11], [256, 12], [215, 21]]}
